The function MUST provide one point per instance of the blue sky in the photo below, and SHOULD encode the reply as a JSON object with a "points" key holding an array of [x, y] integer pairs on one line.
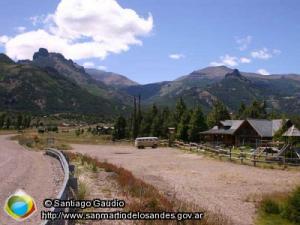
{"points": [[162, 40]]}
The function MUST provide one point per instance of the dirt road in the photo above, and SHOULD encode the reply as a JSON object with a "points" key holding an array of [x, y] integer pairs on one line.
{"points": [[219, 186], [27, 170]]}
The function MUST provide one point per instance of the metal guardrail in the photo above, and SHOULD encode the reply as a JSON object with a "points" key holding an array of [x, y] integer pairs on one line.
{"points": [[69, 186]]}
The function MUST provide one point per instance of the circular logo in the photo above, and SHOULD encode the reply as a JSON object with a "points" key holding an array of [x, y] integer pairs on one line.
{"points": [[20, 206]]}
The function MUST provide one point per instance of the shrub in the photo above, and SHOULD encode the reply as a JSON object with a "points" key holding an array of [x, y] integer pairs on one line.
{"points": [[78, 132], [292, 208], [270, 206], [82, 190]]}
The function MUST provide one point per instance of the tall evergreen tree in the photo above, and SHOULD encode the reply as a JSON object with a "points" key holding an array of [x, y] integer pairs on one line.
{"points": [[156, 126], [19, 121], [165, 122], [135, 122], [2, 120], [183, 127], [241, 111], [180, 109], [257, 110], [120, 128], [8, 122], [197, 124], [219, 112]]}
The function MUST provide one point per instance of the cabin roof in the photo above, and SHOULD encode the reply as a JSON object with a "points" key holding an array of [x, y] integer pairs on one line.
{"points": [[292, 132], [265, 128]]}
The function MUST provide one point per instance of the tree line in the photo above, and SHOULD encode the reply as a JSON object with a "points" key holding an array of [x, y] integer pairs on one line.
{"points": [[15, 121], [186, 122]]}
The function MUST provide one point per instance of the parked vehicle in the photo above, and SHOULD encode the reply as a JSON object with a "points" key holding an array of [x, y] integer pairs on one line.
{"points": [[144, 142]]}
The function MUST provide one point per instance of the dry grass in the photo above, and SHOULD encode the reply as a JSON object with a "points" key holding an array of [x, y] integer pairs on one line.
{"points": [[38, 141], [62, 140], [148, 198], [280, 208]]}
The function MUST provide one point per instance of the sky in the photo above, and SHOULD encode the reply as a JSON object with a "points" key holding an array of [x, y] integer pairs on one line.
{"points": [[157, 40]]}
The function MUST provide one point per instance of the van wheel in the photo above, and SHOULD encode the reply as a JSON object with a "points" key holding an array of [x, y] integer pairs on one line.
{"points": [[154, 146]]}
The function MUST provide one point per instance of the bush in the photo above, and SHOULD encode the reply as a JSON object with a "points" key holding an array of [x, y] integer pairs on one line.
{"points": [[270, 206], [82, 190], [78, 132], [292, 208]]}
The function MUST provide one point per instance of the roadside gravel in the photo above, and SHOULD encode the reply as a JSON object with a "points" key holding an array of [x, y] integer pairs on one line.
{"points": [[37, 174]]}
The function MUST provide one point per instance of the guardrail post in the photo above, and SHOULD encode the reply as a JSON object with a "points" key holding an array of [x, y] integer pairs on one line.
{"points": [[70, 186], [73, 183]]}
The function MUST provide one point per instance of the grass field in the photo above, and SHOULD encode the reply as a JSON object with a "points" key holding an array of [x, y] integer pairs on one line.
{"points": [[280, 209], [62, 140]]}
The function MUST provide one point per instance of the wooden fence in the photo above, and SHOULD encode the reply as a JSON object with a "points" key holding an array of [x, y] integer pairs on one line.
{"points": [[240, 155]]}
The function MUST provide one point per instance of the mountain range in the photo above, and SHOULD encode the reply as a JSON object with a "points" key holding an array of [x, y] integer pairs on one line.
{"points": [[50, 83], [205, 86]]}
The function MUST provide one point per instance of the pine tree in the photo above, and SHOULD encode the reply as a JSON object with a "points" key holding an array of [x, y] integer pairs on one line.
{"points": [[8, 123], [257, 110], [183, 127], [241, 111], [197, 124], [120, 128], [19, 121], [180, 109], [219, 112], [165, 123], [135, 122], [2, 119]]}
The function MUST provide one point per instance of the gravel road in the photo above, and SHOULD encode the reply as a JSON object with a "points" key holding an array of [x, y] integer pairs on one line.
{"points": [[224, 187], [30, 171]]}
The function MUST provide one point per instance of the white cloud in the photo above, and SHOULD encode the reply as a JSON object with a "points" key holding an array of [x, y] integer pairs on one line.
{"points": [[263, 72], [226, 60], [244, 42], [40, 19], [102, 68], [276, 52], [176, 56], [83, 29], [265, 53], [89, 65], [245, 60], [20, 29], [3, 40]]}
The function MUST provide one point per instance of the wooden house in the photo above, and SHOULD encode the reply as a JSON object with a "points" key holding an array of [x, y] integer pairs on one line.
{"points": [[250, 132]]}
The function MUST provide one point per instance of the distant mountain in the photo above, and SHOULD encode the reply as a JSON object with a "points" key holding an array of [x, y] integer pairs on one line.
{"points": [[51, 83], [26, 87], [217, 72], [67, 68], [110, 78], [205, 86]]}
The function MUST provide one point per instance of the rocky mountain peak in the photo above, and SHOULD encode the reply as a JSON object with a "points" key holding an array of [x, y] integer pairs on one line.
{"points": [[234, 73], [5, 59], [43, 52]]}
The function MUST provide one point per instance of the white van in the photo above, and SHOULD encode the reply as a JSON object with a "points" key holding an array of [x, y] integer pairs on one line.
{"points": [[144, 142]]}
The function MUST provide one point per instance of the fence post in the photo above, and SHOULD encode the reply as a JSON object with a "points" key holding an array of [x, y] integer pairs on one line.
{"points": [[254, 160], [241, 156], [230, 153]]}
